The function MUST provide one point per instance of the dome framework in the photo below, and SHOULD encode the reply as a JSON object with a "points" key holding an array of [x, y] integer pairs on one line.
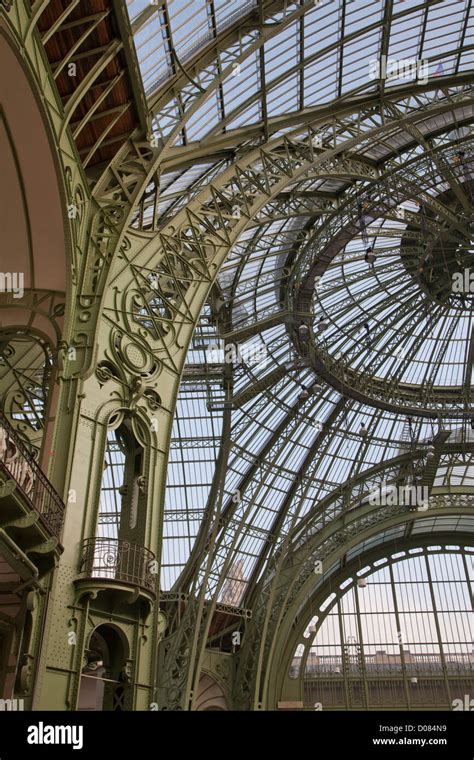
{"points": [[267, 324]]}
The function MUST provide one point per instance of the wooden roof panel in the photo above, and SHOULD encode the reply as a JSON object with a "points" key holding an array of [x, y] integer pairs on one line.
{"points": [[107, 112]]}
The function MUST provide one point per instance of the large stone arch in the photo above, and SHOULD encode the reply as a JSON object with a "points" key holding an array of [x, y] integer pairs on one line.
{"points": [[211, 696], [40, 178]]}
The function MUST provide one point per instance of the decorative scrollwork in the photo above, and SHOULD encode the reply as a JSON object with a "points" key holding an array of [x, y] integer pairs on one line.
{"points": [[26, 363], [118, 560]]}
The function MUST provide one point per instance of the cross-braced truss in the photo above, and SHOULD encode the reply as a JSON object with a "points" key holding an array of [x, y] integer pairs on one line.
{"points": [[268, 259]]}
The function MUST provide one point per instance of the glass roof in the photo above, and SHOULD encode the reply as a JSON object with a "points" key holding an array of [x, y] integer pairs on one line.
{"points": [[224, 77], [392, 311], [305, 55]]}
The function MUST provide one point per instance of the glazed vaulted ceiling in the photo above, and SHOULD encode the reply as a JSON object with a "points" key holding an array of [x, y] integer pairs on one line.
{"points": [[354, 349]]}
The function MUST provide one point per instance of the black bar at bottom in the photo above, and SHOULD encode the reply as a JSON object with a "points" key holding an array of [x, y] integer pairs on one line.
{"points": [[362, 734]]}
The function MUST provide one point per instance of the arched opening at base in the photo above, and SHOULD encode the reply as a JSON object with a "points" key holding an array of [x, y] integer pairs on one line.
{"points": [[104, 682]]}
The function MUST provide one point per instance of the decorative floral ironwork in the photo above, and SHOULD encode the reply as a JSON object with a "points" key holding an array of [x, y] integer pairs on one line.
{"points": [[118, 560]]}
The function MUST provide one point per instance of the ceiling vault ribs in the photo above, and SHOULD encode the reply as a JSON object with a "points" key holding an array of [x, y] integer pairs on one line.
{"points": [[270, 195]]}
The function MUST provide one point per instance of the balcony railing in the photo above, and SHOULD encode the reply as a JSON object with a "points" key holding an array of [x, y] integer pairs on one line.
{"points": [[118, 560], [17, 463]]}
